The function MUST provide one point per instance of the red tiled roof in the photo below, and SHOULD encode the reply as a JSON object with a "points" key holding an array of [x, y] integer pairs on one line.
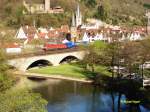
{"points": [[11, 45], [29, 30], [41, 35]]}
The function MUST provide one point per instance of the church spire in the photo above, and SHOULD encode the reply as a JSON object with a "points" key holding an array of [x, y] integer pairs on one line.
{"points": [[78, 16], [73, 21], [78, 10]]}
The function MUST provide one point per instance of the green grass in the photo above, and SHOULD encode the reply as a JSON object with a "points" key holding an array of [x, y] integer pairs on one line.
{"points": [[70, 70], [103, 70]]}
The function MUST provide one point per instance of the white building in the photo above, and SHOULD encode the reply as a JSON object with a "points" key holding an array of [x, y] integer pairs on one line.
{"points": [[26, 32], [93, 24], [134, 36], [13, 48], [92, 38]]}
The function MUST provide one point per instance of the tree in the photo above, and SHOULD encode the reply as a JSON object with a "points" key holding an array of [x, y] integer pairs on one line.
{"points": [[95, 54], [113, 57], [91, 58], [16, 100], [90, 3], [21, 101], [3, 66], [5, 80], [144, 53], [100, 13], [37, 42]]}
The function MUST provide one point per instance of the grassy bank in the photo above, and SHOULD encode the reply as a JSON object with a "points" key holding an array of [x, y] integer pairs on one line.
{"points": [[70, 70]]}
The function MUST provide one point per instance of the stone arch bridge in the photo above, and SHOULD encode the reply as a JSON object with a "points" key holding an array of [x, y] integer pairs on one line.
{"points": [[23, 63]]}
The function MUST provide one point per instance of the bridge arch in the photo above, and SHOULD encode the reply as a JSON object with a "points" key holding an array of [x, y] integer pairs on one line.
{"points": [[24, 63], [39, 63], [68, 58]]}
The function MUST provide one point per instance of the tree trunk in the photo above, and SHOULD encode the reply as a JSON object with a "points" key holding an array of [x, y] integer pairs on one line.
{"points": [[93, 68], [113, 102], [142, 71], [112, 65], [119, 98]]}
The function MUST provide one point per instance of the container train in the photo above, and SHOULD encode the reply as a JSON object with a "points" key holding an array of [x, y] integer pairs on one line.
{"points": [[54, 46]]}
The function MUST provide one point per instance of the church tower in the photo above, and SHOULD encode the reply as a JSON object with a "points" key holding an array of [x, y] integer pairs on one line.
{"points": [[73, 29], [47, 5], [73, 21], [76, 21], [148, 22], [78, 16]]}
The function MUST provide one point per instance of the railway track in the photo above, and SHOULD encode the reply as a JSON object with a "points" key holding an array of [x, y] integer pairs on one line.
{"points": [[42, 52]]}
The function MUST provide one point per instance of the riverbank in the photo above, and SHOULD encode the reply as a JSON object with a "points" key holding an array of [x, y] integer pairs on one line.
{"points": [[35, 75], [43, 76]]}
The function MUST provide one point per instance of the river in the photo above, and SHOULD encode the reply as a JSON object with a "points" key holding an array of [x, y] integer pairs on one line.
{"points": [[69, 96]]}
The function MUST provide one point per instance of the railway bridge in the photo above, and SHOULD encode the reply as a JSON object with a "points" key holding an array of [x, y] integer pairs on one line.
{"points": [[26, 62]]}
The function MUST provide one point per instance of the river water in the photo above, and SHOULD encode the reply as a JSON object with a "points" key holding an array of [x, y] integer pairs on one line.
{"points": [[69, 96]]}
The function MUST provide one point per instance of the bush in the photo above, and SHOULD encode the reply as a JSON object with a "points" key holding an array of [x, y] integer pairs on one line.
{"points": [[21, 101]]}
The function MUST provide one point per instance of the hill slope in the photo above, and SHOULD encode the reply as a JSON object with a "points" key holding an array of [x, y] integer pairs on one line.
{"points": [[124, 12]]}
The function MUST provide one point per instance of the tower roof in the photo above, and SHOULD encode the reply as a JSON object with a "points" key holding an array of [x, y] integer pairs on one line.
{"points": [[73, 20], [78, 10]]}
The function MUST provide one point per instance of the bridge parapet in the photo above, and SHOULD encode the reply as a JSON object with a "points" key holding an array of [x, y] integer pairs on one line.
{"points": [[42, 52]]}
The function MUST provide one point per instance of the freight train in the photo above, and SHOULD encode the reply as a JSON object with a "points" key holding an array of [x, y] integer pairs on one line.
{"points": [[54, 46]]}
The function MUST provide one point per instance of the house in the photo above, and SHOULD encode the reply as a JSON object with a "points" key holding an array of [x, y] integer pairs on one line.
{"points": [[57, 9], [56, 36], [91, 37], [41, 6], [93, 24], [26, 32], [135, 36], [13, 48]]}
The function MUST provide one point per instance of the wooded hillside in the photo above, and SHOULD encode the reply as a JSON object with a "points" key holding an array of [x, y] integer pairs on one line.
{"points": [[124, 12]]}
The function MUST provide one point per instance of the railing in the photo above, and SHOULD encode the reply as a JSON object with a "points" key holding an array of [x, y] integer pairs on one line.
{"points": [[42, 52]]}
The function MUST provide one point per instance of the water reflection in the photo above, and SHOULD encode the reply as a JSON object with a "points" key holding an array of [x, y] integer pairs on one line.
{"points": [[66, 96]]}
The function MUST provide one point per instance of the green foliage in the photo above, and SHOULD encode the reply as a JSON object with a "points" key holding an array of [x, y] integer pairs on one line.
{"points": [[5, 82], [90, 3], [110, 11], [100, 13], [21, 101], [96, 55], [98, 45], [3, 66], [147, 72], [147, 6], [37, 42]]}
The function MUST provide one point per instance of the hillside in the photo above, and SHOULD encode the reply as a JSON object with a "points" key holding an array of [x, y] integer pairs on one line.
{"points": [[123, 12]]}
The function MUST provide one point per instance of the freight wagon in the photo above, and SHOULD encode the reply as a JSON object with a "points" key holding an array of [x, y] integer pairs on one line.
{"points": [[55, 46]]}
